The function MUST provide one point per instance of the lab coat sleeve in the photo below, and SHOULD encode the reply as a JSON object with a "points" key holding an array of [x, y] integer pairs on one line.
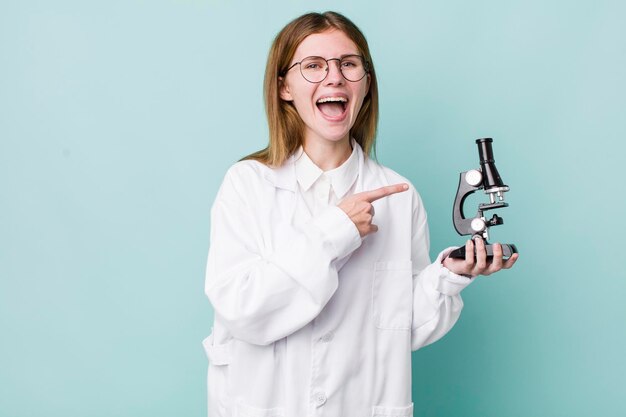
{"points": [[261, 297], [437, 302]]}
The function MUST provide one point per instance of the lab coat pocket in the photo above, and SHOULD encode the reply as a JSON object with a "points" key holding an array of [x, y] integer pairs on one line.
{"points": [[392, 295], [378, 411], [218, 354], [243, 410], [217, 379]]}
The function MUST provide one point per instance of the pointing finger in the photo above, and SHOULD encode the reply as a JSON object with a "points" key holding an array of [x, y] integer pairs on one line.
{"points": [[381, 192]]}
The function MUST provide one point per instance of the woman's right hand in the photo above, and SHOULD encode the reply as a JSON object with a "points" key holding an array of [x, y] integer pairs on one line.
{"points": [[360, 209]]}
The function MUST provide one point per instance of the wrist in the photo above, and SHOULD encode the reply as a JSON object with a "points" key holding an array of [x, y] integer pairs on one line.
{"points": [[447, 262]]}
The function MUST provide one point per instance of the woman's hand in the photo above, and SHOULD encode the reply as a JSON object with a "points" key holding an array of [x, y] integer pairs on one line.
{"points": [[360, 209], [472, 267]]}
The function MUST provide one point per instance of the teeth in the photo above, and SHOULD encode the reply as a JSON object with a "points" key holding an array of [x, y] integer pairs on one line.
{"points": [[327, 99]]}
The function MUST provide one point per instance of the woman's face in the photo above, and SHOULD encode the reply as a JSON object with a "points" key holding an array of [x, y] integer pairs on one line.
{"points": [[330, 121]]}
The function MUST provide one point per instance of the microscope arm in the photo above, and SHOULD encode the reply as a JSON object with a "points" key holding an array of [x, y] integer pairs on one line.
{"points": [[462, 224]]}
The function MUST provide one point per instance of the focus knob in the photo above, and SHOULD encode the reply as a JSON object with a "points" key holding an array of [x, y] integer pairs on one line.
{"points": [[474, 177], [478, 225]]}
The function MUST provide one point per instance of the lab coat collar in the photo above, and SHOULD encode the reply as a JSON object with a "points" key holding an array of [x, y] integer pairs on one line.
{"points": [[306, 170], [342, 178], [285, 176]]}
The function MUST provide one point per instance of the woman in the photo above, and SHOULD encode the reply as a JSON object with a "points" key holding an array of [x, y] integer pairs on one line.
{"points": [[319, 270]]}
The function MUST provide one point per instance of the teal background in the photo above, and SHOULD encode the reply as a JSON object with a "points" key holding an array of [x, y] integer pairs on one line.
{"points": [[118, 120]]}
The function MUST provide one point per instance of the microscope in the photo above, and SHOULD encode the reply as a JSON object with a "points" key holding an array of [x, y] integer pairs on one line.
{"points": [[488, 179]]}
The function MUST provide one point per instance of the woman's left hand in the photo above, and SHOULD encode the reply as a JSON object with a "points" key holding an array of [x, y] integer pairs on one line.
{"points": [[474, 266]]}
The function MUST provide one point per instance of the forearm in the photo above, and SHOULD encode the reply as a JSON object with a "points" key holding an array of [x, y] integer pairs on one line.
{"points": [[437, 302], [261, 299]]}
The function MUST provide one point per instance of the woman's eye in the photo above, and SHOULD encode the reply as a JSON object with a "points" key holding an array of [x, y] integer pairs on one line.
{"points": [[315, 65], [349, 64]]}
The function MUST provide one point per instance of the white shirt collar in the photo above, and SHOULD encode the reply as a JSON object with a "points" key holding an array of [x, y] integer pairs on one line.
{"points": [[341, 178]]}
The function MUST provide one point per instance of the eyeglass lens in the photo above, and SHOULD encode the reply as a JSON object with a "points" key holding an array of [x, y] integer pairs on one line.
{"points": [[315, 68]]}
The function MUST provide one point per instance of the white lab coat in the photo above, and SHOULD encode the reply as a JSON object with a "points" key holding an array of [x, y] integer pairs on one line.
{"points": [[311, 319]]}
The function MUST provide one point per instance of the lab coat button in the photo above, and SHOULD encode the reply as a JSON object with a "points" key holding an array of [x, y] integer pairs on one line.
{"points": [[319, 398], [327, 337]]}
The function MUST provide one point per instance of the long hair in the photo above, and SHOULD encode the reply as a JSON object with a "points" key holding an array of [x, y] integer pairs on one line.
{"points": [[286, 128]]}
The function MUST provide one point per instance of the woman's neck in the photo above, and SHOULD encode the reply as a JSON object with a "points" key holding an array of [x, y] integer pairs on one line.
{"points": [[328, 155]]}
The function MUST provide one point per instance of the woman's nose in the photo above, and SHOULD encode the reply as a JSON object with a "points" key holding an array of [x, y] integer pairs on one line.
{"points": [[334, 75]]}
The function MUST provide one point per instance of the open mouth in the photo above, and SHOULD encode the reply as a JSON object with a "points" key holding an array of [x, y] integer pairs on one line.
{"points": [[332, 107]]}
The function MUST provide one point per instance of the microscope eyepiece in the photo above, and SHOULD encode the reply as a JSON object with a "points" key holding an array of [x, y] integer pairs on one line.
{"points": [[491, 177], [485, 151]]}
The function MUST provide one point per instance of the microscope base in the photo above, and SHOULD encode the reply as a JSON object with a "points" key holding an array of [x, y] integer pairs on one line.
{"points": [[507, 251]]}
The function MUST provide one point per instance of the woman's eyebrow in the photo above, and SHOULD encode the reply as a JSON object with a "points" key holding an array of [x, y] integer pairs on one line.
{"points": [[340, 56], [345, 55]]}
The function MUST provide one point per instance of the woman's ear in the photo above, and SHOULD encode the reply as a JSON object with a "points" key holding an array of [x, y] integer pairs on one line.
{"points": [[283, 89]]}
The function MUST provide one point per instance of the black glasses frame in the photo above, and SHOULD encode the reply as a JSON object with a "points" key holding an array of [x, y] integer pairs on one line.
{"points": [[366, 67]]}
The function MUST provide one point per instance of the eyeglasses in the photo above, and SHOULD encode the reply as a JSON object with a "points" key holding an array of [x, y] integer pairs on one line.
{"points": [[314, 69]]}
